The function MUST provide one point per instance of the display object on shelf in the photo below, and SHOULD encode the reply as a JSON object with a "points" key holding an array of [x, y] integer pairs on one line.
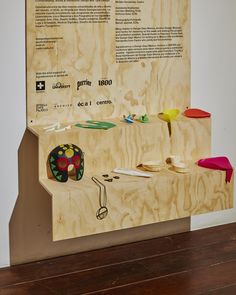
{"points": [[66, 160], [107, 178], [91, 124], [152, 166], [175, 163], [131, 172], [56, 127], [196, 113], [52, 127], [173, 159], [144, 119], [102, 212], [178, 164], [218, 163], [168, 116], [181, 167], [129, 119]]}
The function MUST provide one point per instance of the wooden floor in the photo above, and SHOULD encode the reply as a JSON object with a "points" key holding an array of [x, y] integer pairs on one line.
{"points": [[201, 262]]}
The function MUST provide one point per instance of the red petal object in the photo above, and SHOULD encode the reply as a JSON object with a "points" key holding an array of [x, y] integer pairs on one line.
{"points": [[218, 163], [196, 113]]}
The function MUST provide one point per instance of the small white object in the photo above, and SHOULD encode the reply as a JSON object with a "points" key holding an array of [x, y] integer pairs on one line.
{"points": [[153, 163], [132, 172], [63, 129], [50, 130], [153, 166], [56, 128], [52, 127], [175, 159], [181, 167], [60, 130]]}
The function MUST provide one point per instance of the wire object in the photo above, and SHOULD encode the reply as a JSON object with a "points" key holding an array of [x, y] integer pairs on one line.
{"points": [[103, 210]]}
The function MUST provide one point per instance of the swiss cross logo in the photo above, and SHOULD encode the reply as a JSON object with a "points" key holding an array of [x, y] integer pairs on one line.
{"points": [[40, 85]]}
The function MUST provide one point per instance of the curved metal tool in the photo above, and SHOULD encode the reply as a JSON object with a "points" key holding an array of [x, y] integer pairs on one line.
{"points": [[103, 210]]}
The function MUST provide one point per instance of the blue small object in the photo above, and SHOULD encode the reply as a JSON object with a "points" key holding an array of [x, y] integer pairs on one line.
{"points": [[129, 119]]}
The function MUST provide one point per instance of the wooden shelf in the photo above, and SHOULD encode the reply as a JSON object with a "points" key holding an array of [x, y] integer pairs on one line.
{"points": [[61, 211], [191, 138], [31, 224], [134, 201], [129, 145], [124, 145]]}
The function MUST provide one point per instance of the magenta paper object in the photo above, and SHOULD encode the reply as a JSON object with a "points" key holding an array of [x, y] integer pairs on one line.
{"points": [[218, 163]]}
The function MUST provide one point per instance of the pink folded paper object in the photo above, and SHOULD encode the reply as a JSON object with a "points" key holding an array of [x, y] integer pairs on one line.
{"points": [[218, 163]]}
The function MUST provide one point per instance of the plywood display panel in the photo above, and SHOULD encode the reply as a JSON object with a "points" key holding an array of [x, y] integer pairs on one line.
{"points": [[123, 146], [103, 59], [136, 201], [133, 201], [129, 145], [31, 221], [191, 138]]}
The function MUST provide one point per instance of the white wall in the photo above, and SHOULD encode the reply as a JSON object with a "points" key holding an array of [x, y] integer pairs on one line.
{"points": [[214, 82], [12, 110], [213, 88]]}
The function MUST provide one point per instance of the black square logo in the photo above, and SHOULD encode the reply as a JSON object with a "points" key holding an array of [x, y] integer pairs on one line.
{"points": [[40, 85]]}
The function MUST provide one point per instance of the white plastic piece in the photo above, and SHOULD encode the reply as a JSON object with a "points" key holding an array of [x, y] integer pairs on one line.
{"points": [[53, 126], [63, 129], [174, 159], [181, 167], [153, 163], [126, 171], [153, 166], [56, 128], [50, 130], [60, 130]]}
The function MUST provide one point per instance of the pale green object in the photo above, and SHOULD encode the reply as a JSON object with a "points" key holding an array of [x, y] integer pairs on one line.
{"points": [[91, 124], [144, 119]]}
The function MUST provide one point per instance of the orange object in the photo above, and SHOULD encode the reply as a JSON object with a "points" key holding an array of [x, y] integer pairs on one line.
{"points": [[196, 113]]}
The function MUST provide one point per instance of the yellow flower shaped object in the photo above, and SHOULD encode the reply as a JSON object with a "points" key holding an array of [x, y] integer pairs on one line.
{"points": [[169, 115]]}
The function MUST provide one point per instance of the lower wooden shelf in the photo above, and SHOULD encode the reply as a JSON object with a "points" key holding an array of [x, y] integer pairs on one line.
{"points": [[134, 201], [31, 227]]}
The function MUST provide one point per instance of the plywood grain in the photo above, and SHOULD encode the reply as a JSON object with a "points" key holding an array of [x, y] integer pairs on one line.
{"points": [[31, 221], [136, 201], [191, 138], [133, 201], [62, 52], [68, 53], [128, 145]]}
